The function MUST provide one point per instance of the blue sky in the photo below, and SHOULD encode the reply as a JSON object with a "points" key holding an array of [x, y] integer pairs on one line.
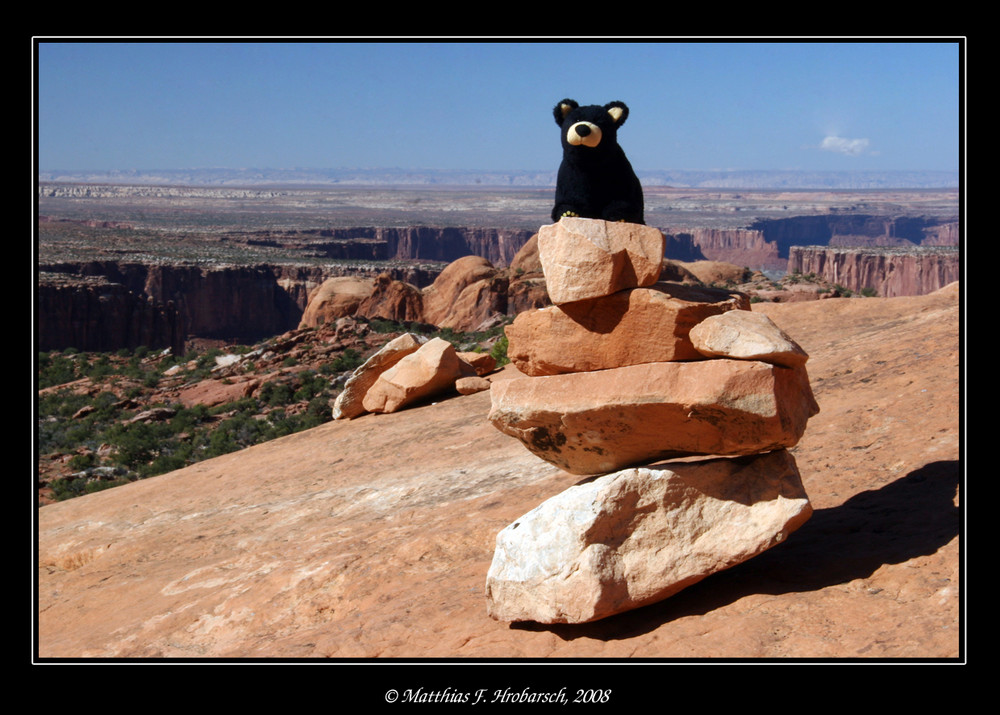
{"points": [[816, 105]]}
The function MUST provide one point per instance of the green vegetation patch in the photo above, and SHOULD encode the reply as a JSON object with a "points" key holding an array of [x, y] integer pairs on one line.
{"points": [[99, 414]]}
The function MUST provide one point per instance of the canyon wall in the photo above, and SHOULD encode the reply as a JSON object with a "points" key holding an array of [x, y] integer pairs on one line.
{"points": [[94, 314], [857, 230], [107, 305], [739, 246], [414, 243], [766, 244], [888, 272]]}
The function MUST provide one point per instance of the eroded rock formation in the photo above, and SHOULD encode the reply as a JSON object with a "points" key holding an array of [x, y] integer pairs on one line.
{"points": [[95, 314], [740, 246], [766, 244], [886, 272], [425, 243]]}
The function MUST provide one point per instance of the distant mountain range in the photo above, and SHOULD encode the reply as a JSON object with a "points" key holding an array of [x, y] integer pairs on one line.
{"points": [[721, 179]]}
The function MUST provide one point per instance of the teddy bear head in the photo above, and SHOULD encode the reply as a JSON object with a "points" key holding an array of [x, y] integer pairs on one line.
{"points": [[589, 127]]}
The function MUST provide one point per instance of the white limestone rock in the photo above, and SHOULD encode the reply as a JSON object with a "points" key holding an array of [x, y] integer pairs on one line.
{"points": [[640, 535], [747, 336]]}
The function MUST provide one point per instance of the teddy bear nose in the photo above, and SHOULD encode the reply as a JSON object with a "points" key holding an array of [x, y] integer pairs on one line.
{"points": [[585, 134]]}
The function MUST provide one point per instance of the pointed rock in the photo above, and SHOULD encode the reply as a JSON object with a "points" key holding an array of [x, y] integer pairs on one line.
{"points": [[638, 536], [483, 363], [430, 370], [588, 258], [597, 422], [350, 402]]}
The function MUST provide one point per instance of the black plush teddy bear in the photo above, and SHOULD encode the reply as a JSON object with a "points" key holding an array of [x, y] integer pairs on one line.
{"points": [[595, 178]]}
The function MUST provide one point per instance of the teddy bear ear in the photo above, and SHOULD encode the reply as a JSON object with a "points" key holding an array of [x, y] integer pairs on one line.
{"points": [[618, 112], [563, 108]]}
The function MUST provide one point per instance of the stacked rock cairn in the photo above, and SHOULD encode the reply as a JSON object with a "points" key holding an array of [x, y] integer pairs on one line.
{"points": [[676, 402]]}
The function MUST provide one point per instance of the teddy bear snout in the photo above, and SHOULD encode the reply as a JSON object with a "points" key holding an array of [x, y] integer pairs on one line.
{"points": [[584, 133]]}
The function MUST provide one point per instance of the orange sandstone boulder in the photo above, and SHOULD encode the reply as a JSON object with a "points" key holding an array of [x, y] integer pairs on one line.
{"points": [[393, 300], [430, 370], [483, 363], [464, 294], [335, 298], [526, 261], [588, 258], [597, 422], [217, 392], [471, 385], [350, 402]]}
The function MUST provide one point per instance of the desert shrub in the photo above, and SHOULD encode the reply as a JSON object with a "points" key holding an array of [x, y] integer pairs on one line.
{"points": [[317, 412], [382, 325], [187, 418], [348, 360], [239, 431], [136, 444], [56, 369], [63, 489], [208, 359], [246, 404], [79, 462], [311, 386], [162, 464], [204, 364], [62, 403], [450, 335], [275, 394], [168, 361], [499, 351]]}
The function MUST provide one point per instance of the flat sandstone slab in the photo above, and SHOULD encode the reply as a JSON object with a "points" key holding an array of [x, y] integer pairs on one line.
{"points": [[630, 327], [638, 536], [597, 422]]}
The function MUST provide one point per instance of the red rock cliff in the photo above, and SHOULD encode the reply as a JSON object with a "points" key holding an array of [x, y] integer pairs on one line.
{"points": [[739, 246], [94, 314], [890, 272]]}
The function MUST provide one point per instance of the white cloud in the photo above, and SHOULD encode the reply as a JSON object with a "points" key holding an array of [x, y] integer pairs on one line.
{"points": [[841, 145]]}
